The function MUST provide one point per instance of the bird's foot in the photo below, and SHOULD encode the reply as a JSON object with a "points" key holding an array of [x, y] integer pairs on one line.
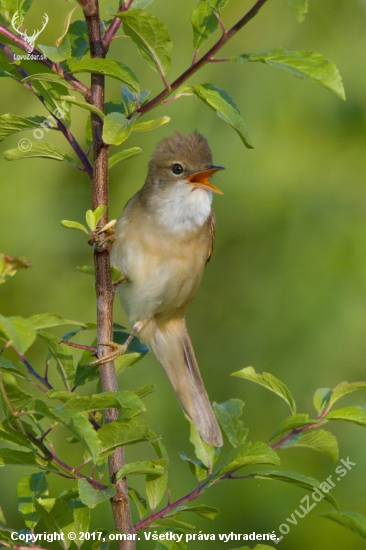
{"points": [[118, 349]]}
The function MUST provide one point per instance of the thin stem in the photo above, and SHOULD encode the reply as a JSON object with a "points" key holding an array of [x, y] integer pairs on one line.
{"points": [[79, 86], [75, 145], [157, 100], [171, 506], [31, 370], [221, 23], [115, 25], [103, 283], [92, 349]]}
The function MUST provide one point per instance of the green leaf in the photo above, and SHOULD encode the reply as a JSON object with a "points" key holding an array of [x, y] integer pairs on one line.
{"points": [[357, 415], [98, 213], [10, 265], [129, 100], [11, 124], [156, 486], [353, 520], [93, 217], [319, 440], [57, 54], [31, 486], [150, 124], [117, 128], [270, 382], [48, 77], [205, 511], [204, 452], [20, 458], [83, 105], [18, 370], [299, 480], [304, 64], [106, 400], [204, 23], [17, 330], [320, 398], [228, 415], [87, 269], [122, 156], [292, 422], [51, 92], [49, 320], [300, 8], [81, 514], [5, 536], [151, 37], [221, 102], [74, 225], [18, 398], [12, 435], [119, 433], [2, 518], [107, 67], [78, 36], [116, 274], [197, 467], [344, 388], [248, 453], [90, 220], [81, 428], [158, 446], [91, 497], [12, 6], [57, 516], [152, 467], [62, 355], [138, 501], [39, 149]]}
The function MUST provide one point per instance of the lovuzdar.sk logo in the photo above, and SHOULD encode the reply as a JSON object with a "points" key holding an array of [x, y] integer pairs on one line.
{"points": [[29, 39]]}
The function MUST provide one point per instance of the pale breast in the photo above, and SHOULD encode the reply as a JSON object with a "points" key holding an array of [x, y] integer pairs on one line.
{"points": [[164, 270]]}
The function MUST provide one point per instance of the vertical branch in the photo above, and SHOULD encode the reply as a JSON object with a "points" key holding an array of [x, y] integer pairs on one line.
{"points": [[104, 288]]}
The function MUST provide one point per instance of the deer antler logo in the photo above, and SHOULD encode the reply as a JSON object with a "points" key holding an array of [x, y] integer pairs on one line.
{"points": [[29, 39]]}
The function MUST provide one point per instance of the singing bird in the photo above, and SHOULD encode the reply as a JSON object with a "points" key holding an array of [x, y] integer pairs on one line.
{"points": [[164, 239]]}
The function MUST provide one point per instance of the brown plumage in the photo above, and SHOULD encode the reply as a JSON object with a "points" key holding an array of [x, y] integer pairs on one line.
{"points": [[164, 238]]}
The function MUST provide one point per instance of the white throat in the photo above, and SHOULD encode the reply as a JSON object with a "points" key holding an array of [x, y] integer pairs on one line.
{"points": [[185, 208]]}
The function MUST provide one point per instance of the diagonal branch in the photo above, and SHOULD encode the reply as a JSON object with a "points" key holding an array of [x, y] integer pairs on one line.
{"points": [[207, 58], [55, 67]]}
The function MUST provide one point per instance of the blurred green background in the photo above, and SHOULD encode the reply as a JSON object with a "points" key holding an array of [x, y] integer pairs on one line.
{"points": [[285, 290]]}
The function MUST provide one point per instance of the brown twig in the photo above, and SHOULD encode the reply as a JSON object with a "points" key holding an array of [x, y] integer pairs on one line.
{"points": [[103, 283]]}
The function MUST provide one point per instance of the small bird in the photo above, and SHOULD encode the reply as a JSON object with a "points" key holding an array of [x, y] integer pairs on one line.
{"points": [[164, 239]]}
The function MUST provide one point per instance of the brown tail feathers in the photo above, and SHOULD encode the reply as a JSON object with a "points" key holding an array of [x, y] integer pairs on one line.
{"points": [[170, 342]]}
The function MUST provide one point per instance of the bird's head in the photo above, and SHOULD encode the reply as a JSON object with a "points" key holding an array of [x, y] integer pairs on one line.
{"points": [[183, 161]]}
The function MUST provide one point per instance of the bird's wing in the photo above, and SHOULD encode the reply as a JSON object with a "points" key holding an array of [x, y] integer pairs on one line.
{"points": [[211, 227]]}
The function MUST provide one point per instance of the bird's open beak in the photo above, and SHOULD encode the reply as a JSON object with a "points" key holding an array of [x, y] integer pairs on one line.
{"points": [[201, 179]]}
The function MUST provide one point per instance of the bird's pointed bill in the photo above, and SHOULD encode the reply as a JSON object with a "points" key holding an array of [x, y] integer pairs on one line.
{"points": [[202, 179]]}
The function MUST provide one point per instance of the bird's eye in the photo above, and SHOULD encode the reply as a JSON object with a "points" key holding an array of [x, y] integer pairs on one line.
{"points": [[177, 168]]}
